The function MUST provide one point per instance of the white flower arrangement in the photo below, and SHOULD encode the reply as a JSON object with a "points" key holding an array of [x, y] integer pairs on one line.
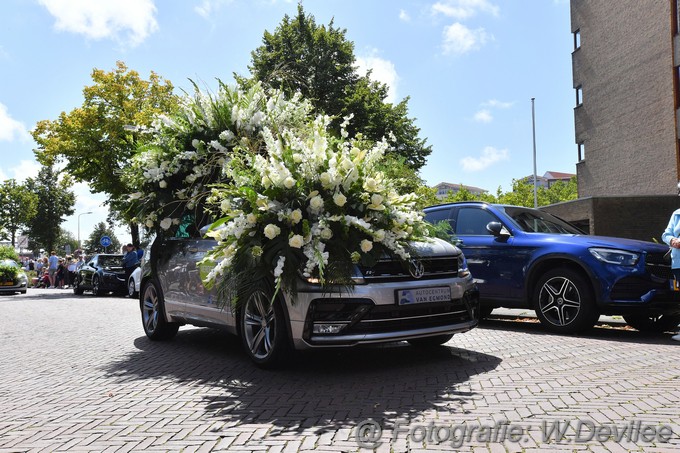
{"points": [[293, 200]]}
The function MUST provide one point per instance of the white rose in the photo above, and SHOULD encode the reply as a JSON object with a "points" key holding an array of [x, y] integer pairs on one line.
{"points": [[271, 231], [366, 246], [376, 199], [149, 223], [296, 241], [225, 205], [251, 219], [325, 179], [289, 183], [339, 199], [379, 235], [166, 223], [162, 184], [326, 234], [296, 216], [371, 185], [316, 203]]}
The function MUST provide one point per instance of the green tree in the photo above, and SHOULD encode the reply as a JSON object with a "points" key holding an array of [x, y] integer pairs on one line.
{"points": [[17, 207], [66, 242], [319, 62], [7, 252], [98, 139], [54, 201], [92, 244]]}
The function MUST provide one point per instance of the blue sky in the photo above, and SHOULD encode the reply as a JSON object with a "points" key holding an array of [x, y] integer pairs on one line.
{"points": [[470, 68]]}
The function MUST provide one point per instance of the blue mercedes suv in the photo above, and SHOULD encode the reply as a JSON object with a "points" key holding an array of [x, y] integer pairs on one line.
{"points": [[527, 258]]}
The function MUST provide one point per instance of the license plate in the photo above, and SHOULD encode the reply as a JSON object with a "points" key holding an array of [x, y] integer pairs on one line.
{"points": [[674, 285], [423, 295], [7, 284]]}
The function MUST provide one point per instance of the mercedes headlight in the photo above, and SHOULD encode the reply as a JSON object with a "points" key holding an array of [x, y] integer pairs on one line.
{"points": [[615, 256]]}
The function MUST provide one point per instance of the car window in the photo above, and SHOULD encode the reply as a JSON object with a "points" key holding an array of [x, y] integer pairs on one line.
{"points": [[473, 221], [534, 221], [434, 216]]}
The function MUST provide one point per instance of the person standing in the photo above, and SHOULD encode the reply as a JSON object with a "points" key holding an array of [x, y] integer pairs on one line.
{"points": [[130, 261], [671, 237], [52, 265]]}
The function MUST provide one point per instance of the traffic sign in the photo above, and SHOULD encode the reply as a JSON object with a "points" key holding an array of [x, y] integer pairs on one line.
{"points": [[105, 241]]}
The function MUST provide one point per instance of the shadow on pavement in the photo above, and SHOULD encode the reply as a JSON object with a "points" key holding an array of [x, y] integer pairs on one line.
{"points": [[323, 389], [600, 331]]}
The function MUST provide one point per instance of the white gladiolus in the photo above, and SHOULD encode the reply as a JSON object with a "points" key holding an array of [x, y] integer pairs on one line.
{"points": [[279, 267]]}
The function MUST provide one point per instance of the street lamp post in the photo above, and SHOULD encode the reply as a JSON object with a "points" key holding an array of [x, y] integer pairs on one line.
{"points": [[80, 246]]}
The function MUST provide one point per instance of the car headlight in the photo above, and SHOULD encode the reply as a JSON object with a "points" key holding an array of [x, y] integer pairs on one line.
{"points": [[614, 256]]}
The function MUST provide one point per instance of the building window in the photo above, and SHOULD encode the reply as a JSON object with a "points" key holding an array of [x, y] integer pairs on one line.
{"points": [[675, 10], [579, 95], [581, 152], [577, 39]]}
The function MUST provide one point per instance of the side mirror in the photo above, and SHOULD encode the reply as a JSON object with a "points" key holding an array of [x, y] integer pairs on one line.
{"points": [[497, 229]]}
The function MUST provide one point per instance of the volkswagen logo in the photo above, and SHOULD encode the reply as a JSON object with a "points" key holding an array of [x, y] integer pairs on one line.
{"points": [[416, 268]]}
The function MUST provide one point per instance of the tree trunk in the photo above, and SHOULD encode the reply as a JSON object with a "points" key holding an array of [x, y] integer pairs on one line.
{"points": [[134, 232]]}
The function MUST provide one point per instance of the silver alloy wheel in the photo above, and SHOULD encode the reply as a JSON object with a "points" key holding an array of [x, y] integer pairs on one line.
{"points": [[131, 288], [559, 301], [150, 309], [259, 325]]}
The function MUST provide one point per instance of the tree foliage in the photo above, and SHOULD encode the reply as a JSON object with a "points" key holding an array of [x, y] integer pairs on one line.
{"points": [[92, 245], [17, 207], [7, 252], [54, 201], [319, 62], [522, 194], [97, 140]]}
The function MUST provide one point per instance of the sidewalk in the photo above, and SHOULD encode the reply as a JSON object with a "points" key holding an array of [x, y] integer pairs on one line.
{"points": [[513, 313]]}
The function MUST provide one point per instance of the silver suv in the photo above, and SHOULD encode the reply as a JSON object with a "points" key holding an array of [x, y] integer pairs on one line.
{"points": [[424, 303]]}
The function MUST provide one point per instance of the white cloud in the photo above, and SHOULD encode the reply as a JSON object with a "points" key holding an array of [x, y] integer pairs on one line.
{"points": [[404, 16], [490, 156], [11, 129], [382, 71], [126, 21], [483, 116], [24, 169], [495, 103], [208, 7], [464, 9], [459, 39]]}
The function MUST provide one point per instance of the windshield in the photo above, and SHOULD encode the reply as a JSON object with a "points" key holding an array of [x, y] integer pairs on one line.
{"points": [[535, 221], [9, 263]]}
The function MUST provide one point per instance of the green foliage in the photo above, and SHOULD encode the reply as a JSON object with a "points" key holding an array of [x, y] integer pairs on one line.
{"points": [[8, 273], [8, 253], [95, 140], [92, 245], [522, 194], [17, 207], [319, 62], [55, 201]]}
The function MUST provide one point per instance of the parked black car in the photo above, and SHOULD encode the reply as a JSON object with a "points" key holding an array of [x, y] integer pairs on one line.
{"points": [[102, 274]]}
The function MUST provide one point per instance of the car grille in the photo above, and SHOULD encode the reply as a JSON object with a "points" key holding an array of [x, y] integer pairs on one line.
{"points": [[658, 266], [362, 317], [633, 288], [396, 270]]}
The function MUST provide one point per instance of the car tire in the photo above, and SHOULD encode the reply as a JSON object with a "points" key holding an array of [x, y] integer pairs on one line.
{"points": [[152, 307], [77, 289], [131, 288], [96, 286], [430, 342], [653, 324], [263, 329], [564, 301]]}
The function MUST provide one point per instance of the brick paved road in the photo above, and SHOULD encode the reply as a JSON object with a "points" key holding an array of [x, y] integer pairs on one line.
{"points": [[78, 374]]}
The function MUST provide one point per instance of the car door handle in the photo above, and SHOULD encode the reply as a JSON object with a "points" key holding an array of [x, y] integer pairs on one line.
{"points": [[192, 249]]}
